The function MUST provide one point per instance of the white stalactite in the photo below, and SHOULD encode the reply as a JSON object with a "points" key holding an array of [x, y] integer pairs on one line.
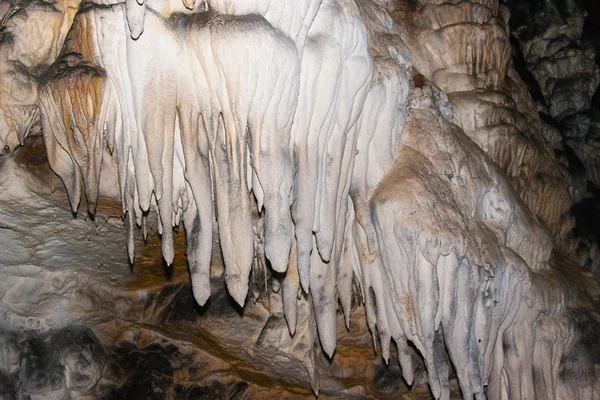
{"points": [[357, 174]]}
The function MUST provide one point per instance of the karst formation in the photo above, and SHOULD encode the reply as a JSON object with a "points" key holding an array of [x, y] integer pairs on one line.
{"points": [[238, 199]]}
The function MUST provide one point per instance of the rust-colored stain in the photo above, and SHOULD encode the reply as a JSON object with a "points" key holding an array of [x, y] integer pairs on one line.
{"points": [[149, 268], [108, 208], [366, 255], [408, 304]]}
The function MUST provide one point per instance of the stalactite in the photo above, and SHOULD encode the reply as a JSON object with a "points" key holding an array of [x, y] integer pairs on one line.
{"points": [[329, 162]]}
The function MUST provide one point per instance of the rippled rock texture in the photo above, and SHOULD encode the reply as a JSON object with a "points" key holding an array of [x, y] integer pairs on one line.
{"points": [[342, 175]]}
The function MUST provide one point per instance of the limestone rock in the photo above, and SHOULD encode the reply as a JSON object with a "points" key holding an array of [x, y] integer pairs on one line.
{"points": [[357, 160]]}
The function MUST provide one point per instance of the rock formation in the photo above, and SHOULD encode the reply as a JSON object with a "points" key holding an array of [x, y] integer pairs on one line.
{"points": [[380, 159], [557, 50]]}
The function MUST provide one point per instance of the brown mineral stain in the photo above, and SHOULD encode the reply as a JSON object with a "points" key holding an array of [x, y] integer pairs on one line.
{"points": [[419, 81], [32, 156], [149, 268], [401, 9], [108, 208], [366, 255], [409, 307]]}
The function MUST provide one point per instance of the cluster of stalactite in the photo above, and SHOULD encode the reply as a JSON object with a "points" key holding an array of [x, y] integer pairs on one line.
{"points": [[304, 130]]}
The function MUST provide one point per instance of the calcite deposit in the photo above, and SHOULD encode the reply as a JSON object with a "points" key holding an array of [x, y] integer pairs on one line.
{"points": [[342, 176]]}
